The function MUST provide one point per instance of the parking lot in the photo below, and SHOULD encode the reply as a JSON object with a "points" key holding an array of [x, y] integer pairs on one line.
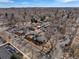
{"points": [[4, 53]]}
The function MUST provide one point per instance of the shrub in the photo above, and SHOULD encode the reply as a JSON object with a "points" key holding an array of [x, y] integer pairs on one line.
{"points": [[15, 57]]}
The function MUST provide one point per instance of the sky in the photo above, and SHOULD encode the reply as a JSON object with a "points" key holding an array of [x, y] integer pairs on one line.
{"points": [[38, 3]]}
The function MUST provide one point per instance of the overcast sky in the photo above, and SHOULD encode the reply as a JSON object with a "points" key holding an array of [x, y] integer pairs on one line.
{"points": [[39, 3]]}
